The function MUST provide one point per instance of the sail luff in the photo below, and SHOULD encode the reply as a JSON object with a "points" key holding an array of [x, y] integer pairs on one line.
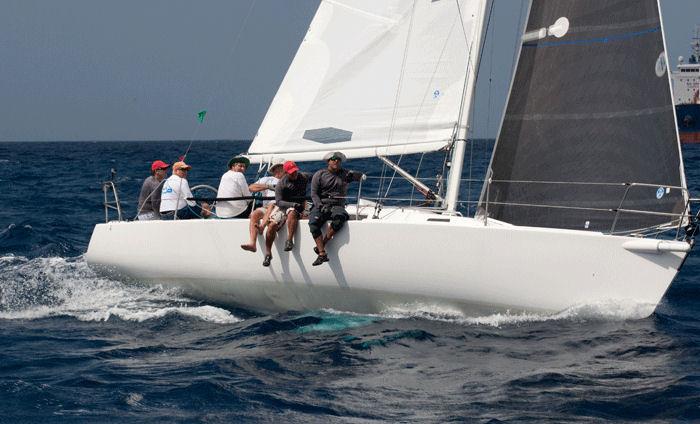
{"points": [[483, 197], [681, 166]]}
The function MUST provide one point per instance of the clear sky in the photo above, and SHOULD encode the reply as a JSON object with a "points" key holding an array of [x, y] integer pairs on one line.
{"points": [[141, 70]]}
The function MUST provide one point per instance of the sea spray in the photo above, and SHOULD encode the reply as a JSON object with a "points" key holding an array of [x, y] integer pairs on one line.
{"points": [[45, 287]]}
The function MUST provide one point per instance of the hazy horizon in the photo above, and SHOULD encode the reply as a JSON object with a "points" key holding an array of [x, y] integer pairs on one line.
{"points": [[94, 70]]}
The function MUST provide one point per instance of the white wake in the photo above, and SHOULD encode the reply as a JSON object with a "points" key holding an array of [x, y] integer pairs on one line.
{"points": [[47, 287]]}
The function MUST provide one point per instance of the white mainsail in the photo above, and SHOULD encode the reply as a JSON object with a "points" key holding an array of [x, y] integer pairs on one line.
{"points": [[373, 78]]}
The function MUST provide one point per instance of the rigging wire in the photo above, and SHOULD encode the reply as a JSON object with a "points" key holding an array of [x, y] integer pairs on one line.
{"points": [[427, 91], [396, 99], [488, 110], [210, 98]]}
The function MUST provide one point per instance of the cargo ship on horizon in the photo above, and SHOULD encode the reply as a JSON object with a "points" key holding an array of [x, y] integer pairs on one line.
{"points": [[686, 93]]}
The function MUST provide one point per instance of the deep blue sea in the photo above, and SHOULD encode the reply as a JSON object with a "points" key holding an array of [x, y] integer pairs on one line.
{"points": [[75, 347]]}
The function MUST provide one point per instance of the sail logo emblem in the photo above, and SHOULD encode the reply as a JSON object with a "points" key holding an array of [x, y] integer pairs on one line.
{"points": [[167, 190], [660, 192], [661, 65]]}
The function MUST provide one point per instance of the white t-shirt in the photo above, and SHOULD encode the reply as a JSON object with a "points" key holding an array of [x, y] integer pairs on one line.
{"points": [[173, 194], [268, 193], [232, 184]]}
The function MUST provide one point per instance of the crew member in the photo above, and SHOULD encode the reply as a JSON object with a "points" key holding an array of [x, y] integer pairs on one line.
{"points": [[174, 195], [290, 195], [233, 184], [260, 217], [149, 198], [329, 186]]}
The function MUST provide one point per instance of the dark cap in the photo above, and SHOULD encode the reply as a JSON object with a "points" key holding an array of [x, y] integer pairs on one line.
{"points": [[239, 159]]}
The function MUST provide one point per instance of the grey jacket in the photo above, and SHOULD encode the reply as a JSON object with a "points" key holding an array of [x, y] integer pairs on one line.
{"points": [[151, 186], [332, 187], [288, 192]]}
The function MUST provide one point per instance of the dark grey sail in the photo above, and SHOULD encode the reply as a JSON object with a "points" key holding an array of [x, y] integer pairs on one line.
{"points": [[589, 120]]}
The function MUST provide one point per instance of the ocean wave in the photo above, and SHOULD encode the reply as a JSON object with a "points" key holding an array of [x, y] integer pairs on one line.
{"points": [[47, 287]]}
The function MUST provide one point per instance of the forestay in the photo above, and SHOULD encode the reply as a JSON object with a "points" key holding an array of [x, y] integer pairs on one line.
{"points": [[589, 113], [373, 78]]}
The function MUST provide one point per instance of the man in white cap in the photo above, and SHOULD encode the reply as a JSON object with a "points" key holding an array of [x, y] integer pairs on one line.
{"points": [[260, 217], [174, 195], [329, 187]]}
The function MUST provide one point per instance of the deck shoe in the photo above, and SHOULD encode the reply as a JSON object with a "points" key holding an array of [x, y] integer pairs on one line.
{"points": [[267, 260], [321, 259], [288, 245]]}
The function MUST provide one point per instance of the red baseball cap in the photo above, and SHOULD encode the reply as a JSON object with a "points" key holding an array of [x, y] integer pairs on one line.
{"points": [[290, 167], [159, 164]]}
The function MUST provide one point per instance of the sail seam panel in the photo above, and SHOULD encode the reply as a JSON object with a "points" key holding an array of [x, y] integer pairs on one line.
{"points": [[597, 40], [581, 116]]}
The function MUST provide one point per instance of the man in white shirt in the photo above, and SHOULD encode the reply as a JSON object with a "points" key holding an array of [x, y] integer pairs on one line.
{"points": [[266, 185], [233, 184], [174, 194]]}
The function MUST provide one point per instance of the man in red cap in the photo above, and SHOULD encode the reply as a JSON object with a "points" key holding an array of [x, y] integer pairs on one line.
{"points": [[149, 198], [290, 195]]}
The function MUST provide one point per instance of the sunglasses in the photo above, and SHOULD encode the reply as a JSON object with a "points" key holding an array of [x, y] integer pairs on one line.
{"points": [[334, 158]]}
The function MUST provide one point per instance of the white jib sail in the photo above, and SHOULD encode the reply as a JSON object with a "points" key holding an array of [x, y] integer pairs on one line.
{"points": [[373, 78]]}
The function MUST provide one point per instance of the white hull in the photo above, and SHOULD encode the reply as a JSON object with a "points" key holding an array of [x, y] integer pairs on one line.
{"points": [[378, 264]]}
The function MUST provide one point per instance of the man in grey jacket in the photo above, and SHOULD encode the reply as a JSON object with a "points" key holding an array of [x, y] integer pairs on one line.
{"points": [[329, 187], [149, 198]]}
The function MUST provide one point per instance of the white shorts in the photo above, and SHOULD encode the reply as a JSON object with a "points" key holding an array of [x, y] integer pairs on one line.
{"points": [[147, 216], [278, 216]]}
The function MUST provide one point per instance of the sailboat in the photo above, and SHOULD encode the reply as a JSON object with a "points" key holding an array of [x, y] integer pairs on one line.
{"points": [[585, 199]]}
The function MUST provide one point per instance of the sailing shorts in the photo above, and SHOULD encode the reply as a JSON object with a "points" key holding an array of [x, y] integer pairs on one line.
{"points": [[278, 216], [320, 216]]}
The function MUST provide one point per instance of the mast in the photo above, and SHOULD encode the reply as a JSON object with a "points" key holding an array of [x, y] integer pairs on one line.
{"points": [[460, 135]]}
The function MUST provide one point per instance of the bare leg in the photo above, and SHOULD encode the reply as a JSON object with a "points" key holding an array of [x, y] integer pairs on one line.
{"points": [[292, 219], [253, 229], [329, 235], [320, 245], [270, 237]]}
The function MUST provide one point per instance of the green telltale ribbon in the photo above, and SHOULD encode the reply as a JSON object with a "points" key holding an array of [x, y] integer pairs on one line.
{"points": [[201, 115]]}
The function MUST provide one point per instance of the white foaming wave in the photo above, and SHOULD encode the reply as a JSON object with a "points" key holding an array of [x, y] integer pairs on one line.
{"points": [[46, 287], [612, 310]]}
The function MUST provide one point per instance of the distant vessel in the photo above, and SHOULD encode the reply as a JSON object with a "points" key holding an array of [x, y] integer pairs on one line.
{"points": [[686, 93]]}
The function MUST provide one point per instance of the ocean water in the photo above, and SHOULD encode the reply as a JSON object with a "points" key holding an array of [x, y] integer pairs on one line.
{"points": [[79, 348]]}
